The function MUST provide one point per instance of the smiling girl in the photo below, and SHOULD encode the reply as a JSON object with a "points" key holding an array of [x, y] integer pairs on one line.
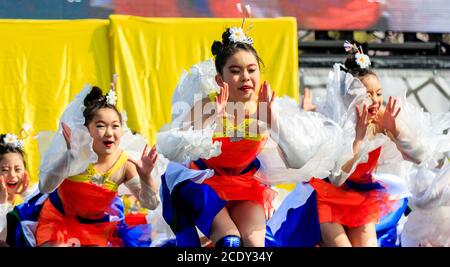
{"points": [[82, 170], [13, 177]]}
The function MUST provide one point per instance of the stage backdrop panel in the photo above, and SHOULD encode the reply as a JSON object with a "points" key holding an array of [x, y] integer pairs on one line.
{"points": [[43, 65], [149, 54]]}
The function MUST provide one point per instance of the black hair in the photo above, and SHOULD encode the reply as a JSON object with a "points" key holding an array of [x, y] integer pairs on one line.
{"points": [[6, 148], [354, 69], [225, 49], [94, 101]]}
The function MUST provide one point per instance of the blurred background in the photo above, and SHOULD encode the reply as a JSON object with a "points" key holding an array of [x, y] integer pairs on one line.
{"points": [[408, 40]]}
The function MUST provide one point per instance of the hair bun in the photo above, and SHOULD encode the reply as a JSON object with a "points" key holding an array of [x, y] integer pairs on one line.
{"points": [[226, 37], [94, 96]]}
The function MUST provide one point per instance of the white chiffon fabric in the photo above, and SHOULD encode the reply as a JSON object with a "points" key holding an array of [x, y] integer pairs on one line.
{"points": [[58, 162], [427, 224], [421, 133], [301, 144]]}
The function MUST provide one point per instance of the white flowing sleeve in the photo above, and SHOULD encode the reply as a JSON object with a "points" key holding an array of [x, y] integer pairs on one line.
{"points": [[57, 162], [302, 145], [183, 144], [4, 209], [421, 133], [143, 192]]}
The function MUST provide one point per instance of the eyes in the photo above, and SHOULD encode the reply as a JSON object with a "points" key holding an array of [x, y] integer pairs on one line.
{"points": [[17, 169], [377, 94], [238, 70], [102, 125]]}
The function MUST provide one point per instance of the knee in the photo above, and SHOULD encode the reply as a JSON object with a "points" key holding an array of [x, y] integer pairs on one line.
{"points": [[229, 241]]}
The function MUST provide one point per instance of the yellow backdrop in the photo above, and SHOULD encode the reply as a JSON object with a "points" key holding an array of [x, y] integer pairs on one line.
{"points": [[149, 55], [44, 64]]}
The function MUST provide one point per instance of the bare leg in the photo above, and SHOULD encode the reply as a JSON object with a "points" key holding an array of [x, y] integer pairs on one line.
{"points": [[363, 236], [53, 244], [222, 226], [250, 219], [333, 235]]}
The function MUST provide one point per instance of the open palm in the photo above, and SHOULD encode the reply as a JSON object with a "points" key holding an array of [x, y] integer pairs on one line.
{"points": [[387, 120], [3, 190], [145, 165], [265, 101]]}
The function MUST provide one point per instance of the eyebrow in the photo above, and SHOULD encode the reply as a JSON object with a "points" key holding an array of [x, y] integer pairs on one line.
{"points": [[100, 121], [236, 66]]}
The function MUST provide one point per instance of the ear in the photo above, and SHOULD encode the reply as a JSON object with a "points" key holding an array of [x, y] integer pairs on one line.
{"points": [[219, 80]]}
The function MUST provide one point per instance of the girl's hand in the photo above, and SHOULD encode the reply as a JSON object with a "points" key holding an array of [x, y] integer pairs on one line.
{"points": [[307, 104], [387, 120], [25, 183], [146, 164], [361, 123], [222, 100], [3, 190], [265, 98], [66, 133]]}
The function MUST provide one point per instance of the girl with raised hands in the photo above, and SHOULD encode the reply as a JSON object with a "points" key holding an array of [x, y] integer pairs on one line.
{"points": [[81, 170], [223, 142], [383, 142], [13, 178]]}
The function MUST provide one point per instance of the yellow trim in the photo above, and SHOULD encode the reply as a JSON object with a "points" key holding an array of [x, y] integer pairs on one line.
{"points": [[90, 172], [242, 127]]}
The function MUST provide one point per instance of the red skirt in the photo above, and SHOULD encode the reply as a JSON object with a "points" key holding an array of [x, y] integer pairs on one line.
{"points": [[350, 207]]}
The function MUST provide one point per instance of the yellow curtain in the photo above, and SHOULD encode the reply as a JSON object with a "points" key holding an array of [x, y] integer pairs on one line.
{"points": [[43, 65], [149, 55]]}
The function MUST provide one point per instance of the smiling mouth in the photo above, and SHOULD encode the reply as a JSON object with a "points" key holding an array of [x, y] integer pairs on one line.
{"points": [[245, 88], [108, 144], [12, 184], [372, 111]]}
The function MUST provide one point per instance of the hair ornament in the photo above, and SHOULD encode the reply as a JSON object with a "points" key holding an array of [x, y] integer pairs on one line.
{"points": [[111, 97], [361, 59]]}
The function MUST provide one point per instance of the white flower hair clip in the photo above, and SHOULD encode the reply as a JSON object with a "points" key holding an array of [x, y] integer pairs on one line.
{"points": [[362, 59], [111, 97], [11, 140], [237, 35], [14, 141]]}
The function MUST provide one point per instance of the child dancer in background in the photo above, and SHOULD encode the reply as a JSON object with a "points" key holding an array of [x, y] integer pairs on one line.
{"points": [[13, 178], [82, 170]]}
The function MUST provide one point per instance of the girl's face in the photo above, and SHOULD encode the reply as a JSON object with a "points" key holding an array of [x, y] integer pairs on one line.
{"points": [[12, 170], [374, 92], [106, 130], [242, 74]]}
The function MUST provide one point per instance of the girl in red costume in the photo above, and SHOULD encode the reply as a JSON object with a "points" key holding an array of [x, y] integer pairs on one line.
{"points": [[353, 200], [220, 184], [81, 171]]}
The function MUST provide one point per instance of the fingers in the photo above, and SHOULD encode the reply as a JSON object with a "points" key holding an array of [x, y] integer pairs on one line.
{"points": [[389, 105], [66, 133], [272, 98], [365, 114], [153, 154], [2, 183], [357, 112], [396, 113], [25, 183], [307, 94], [393, 105], [145, 152]]}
